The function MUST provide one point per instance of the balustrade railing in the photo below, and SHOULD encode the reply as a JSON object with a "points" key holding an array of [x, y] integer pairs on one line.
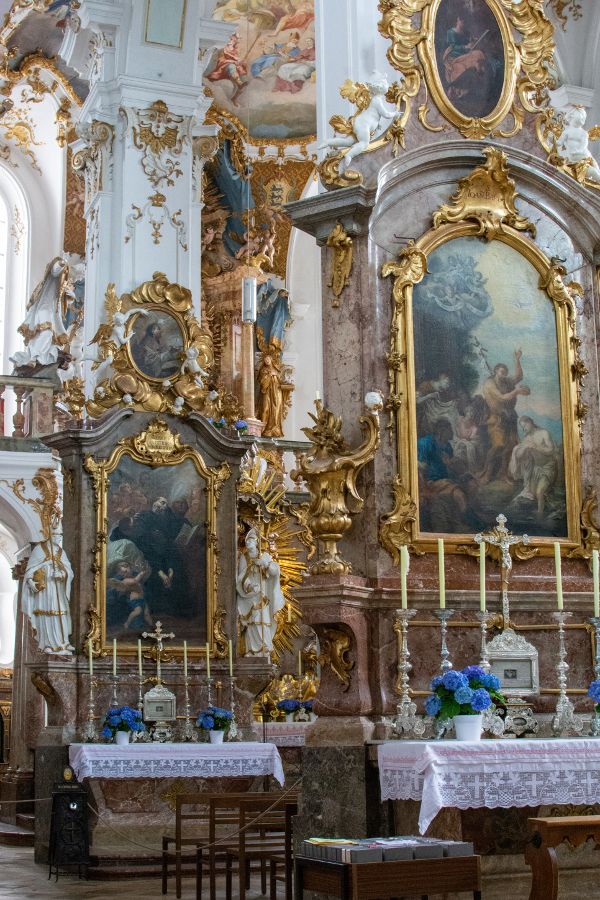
{"points": [[26, 406]]}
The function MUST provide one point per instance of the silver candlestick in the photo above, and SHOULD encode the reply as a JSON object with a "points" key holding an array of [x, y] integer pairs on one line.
{"points": [[89, 731], [595, 621], [233, 733], [484, 661], [188, 732], [140, 702], [406, 720], [564, 721], [114, 701], [444, 615], [209, 681]]}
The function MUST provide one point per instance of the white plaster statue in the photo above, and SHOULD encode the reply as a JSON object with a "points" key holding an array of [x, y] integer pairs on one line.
{"points": [[574, 143], [191, 365], [259, 597], [46, 594], [369, 124], [43, 329], [119, 326]]}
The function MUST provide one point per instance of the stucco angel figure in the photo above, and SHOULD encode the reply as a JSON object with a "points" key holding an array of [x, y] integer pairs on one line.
{"points": [[191, 365], [43, 329], [259, 596], [46, 593], [374, 117], [573, 143]]}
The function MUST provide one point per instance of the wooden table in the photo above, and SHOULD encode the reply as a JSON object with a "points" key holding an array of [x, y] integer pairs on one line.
{"points": [[388, 880], [540, 853]]}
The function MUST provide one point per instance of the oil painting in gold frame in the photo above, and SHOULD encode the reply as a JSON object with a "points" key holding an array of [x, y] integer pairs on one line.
{"points": [[156, 550], [461, 461]]}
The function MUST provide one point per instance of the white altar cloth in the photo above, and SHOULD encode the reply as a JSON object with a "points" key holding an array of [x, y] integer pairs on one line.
{"points": [[228, 760], [489, 773]]}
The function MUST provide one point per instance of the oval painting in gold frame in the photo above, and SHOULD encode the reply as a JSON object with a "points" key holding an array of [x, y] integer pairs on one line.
{"points": [[471, 63]]}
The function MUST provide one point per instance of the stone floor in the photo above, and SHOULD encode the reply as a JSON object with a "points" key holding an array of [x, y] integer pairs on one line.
{"points": [[22, 879]]}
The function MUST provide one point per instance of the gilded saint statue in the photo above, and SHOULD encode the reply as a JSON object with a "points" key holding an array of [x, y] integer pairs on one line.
{"points": [[259, 596], [271, 396]]}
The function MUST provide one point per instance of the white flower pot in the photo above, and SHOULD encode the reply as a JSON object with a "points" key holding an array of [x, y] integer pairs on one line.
{"points": [[468, 728], [122, 737], [216, 737], [289, 717]]}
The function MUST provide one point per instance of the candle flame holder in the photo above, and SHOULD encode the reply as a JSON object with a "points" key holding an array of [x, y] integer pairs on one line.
{"points": [[444, 615], [564, 721], [90, 733], [595, 621], [406, 720], [188, 732], [233, 732]]}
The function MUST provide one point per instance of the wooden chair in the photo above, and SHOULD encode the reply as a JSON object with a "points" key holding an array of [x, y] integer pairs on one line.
{"points": [[546, 834], [179, 840], [261, 838], [287, 875], [223, 829]]}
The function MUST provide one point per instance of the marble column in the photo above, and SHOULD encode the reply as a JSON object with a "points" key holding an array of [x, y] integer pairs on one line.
{"points": [[142, 145]]}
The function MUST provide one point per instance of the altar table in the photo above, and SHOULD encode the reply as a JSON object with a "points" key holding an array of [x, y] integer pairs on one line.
{"points": [[489, 773], [228, 760]]}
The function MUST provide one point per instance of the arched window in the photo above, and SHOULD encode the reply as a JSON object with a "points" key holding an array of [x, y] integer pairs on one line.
{"points": [[14, 265]]}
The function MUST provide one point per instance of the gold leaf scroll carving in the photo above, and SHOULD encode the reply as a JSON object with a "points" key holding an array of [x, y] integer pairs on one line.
{"points": [[341, 267]]}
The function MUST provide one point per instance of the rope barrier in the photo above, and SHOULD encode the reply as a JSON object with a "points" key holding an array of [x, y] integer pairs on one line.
{"points": [[225, 839], [15, 802]]}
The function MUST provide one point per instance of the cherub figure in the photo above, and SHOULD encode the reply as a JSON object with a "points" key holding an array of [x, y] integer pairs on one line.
{"points": [[191, 365], [573, 143], [374, 117]]}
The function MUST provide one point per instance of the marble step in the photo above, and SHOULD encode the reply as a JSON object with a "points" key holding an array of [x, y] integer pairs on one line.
{"points": [[26, 821], [107, 868], [15, 835]]}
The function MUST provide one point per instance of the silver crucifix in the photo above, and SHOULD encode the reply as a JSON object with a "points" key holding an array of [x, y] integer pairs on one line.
{"points": [[501, 537], [159, 636]]}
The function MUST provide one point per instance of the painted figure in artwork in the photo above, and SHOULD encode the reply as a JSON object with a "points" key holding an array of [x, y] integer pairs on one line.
{"points": [[259, 596], [488, 404], [230, 68], [470, 55]]}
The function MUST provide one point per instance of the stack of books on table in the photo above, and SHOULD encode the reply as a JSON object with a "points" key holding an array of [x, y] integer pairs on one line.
{"points": [[383, 849]]}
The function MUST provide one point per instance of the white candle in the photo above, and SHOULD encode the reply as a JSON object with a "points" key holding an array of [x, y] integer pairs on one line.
{"points": [[114, 657], [185, 659], [482, 576], [299, 663], [140, 658], [317, 395], [595, 573], [559, 590], [442, 574], [230, 659], [207, 661], [403, 567], [90, 657]]}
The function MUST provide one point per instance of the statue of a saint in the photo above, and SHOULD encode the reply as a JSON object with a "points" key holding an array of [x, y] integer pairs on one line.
{"points": [[259, 596], [46, 593], [271, 402], [44, 330]]}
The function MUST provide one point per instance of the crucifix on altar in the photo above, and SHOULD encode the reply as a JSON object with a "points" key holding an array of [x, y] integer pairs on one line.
{"points": [[501, 538], [509, 656], [160, 704]]}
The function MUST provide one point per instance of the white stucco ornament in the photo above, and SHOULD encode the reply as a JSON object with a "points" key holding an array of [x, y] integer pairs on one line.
{"points": [[374, 402]]}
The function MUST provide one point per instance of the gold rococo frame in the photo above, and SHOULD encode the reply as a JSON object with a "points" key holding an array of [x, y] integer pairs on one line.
{"points": [[483, 207], [409, 27], [156, 446]]}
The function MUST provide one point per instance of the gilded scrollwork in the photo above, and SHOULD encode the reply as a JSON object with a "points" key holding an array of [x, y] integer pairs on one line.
{"points": [[335, 653], [330, 469], [341, 267], [527, 37], [157, 445], [484, 206], [160, 135], [94, 159], [188, 388]]}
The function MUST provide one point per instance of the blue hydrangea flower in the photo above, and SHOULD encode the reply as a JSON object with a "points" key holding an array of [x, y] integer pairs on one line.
{"points": [[491, 682], [107, 732], [594, 691], [114, 721], [481, 700], [307, 705], [433, 705], [474, 672], [453, 680], [435, 682], [207, 722], [463, 695], [289, 706]]}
